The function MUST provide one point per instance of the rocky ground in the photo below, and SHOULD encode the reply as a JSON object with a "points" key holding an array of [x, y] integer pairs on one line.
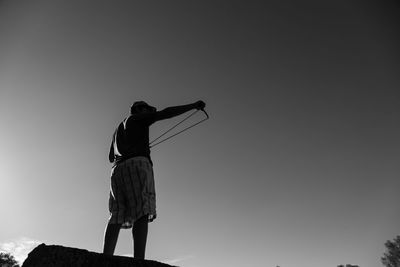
{"points": [[59, 256]]}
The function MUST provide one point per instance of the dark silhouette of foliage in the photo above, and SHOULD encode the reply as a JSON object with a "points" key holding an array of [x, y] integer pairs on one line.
{"points": [[391, 257], [8, 260]]}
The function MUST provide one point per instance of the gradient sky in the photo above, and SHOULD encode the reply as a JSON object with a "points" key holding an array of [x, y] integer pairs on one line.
{"points": [[297, 167]]}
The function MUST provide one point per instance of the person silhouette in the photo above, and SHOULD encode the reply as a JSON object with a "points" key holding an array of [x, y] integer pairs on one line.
{"points": [[132, 198]]}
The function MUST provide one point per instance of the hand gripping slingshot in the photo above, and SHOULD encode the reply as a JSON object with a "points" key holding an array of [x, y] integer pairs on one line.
{"points": [[154, 143]]}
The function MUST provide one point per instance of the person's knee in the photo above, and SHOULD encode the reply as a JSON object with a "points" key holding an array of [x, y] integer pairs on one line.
{"points": [[114, 226], [142, 220], [141, 225]]}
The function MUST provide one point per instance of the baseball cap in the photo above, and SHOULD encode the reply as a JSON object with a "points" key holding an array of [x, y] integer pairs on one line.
{"points": [[138, 104]]}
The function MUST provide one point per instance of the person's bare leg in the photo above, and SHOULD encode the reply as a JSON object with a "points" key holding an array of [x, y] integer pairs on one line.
{"points": [[139, 233], [111, 238]]}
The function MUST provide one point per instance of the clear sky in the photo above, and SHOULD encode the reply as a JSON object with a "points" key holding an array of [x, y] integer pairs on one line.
{"points": [[297, 167]]}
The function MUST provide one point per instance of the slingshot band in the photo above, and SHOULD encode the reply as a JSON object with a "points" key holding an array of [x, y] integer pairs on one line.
{"points": [[173, 127]]}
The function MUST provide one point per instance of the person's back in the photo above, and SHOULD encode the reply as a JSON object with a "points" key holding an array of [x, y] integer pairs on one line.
{"points": [[132, 139]]}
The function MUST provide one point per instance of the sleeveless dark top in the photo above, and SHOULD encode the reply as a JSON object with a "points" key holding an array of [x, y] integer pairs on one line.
{"points": [[131, 139]]}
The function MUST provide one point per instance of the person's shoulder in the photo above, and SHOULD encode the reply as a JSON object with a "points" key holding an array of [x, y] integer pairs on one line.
{"points": [[146, 119], [129, 120]]}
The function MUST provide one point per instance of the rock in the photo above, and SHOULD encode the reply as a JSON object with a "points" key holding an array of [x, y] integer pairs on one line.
{"points": [[59, 256]]}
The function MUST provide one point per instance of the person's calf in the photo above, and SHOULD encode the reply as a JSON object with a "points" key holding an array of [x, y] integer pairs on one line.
{"points": [[139, 233], [111, 238]]}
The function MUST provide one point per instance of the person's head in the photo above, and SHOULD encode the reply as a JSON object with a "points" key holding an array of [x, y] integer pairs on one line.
{"points": [[141, 107]]}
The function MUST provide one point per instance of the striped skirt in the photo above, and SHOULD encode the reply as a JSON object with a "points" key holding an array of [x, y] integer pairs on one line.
{"points": [[132, 193]]}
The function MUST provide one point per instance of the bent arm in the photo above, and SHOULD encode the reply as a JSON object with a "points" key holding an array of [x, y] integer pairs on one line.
{"points": [[111, 153]]}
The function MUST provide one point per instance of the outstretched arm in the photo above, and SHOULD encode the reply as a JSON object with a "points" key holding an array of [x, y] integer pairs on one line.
{"points": [[170, 112], [174, 111]]}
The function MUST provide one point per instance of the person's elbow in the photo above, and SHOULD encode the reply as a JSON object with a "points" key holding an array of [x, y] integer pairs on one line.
{"points": [[111, 157], [162, 115]]}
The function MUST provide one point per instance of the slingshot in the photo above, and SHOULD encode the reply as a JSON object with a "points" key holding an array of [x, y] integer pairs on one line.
{"points": [[173, 127]]}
